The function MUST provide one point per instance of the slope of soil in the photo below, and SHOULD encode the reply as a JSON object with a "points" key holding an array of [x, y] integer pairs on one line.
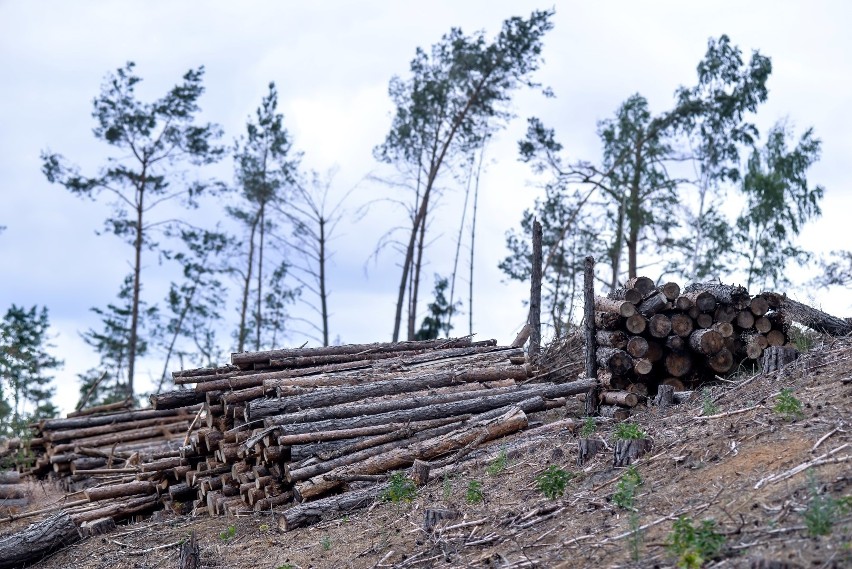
{"points": [[737, 467]]}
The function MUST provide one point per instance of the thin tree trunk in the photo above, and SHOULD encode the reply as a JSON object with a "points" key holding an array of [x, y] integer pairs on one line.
{"points": [[412, 312], [259, 309], [535, 294], [323, 293], [243, 330], [137, 285], [472, 248], [633, 240], [178, 328]]}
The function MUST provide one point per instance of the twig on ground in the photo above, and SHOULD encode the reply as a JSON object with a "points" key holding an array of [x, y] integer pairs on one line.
{"points": [[820, 460], [728, 413]]}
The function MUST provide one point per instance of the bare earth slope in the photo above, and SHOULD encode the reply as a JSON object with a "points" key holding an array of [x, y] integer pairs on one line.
{"points": [[739, 469]]}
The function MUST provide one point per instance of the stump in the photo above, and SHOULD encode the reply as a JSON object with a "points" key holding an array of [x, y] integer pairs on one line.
{"points": [[665, 396], [626, 452], [190, 554], [435, 515], [776, 357], [587, 449]]}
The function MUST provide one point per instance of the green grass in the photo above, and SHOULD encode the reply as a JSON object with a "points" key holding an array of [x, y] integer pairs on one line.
{"points": [[788, 406], [473, 495], [694, 546], [589, 427], [628, 432], [552, 482], [401, 489], [499, 464]]}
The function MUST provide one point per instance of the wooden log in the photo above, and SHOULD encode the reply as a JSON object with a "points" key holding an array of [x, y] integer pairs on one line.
{"points": [[479, 405], [722, 361], [245, 358], [112, 418], [725, 329], [706, 342], [636, 324], [776, 338], [642, 366], [155, 432], [420, 472], [659, 326], [683, 303], [630, 295], [676, 343], [670, 290], [620, 307], [763, 324], [702, 300], [682, 325], [37, 541], [105, 408], [482, 431], [638, 388], [77, 434], [327, 397], [618, 362], [726, 294], [675, 382], [753, 351], [611, 339], [620, 398], [758, 306], [704, 320], [11, 491], [9, 477], [433, 516], [606, 320], [112, 491], [745, 319], [176, 399], [776, 357], [97, 527], [637, 346], [643, 284], [614, 412], [655, 351], [306, 514], [305, 438], [535, 292], [656, 302], [678, 365], [118, 509], [725, 313]]}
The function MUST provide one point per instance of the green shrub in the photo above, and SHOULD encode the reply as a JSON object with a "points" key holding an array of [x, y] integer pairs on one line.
{"points": [[708, 407], [822, 510], [628, 432], [552, 482], [401, 489], [499, 464], [626, 490], [326, 543], [589, 427], [474, 492], [694, 546], [788, 406], [228, 533]]}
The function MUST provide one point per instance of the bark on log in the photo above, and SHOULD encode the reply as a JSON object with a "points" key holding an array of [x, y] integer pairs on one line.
{"points": [[587, 449], [776, 357], [702, 300], [96, 527], [118, 405], [725, 294], [636, 324], [655, 303], [175, 399], [620, 307], [706, 342], [37, 541], [312, 512], [607, 320], [261, 408], [434, 515], [620, 398], [631, 295], [305, 438], [190, 554], [112, 491], [479, 405], [664, 398], [618, 362], [246, 358], [11, 491], [112, 418], [614, 412], [482, 431], [610, 339], [10, 477]]}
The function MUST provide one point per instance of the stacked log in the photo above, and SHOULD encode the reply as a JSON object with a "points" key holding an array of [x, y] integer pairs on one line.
{"points": [[648, 336], [14, 493]]}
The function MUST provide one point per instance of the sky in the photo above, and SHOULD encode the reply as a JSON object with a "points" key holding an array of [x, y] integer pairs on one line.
{"points": [[332, 61]]}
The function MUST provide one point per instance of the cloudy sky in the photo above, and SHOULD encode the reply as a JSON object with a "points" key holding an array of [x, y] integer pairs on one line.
{"points": [[332, 62]]}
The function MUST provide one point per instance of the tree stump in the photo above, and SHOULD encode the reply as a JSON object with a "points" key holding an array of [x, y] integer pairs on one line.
{"points": [[626, 452], [420, 472], [190, 554], [665, 395], [587, 449], [776, 357], [435, 515]]}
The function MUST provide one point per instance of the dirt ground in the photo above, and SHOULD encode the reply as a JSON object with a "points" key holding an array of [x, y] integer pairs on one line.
{"points": [[733, 467]]}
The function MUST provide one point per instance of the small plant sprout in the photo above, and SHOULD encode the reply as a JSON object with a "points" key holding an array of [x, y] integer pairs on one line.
{"points": [[474, 492], [499, 464], [589, 427], [708, 407], [788, 406], [552, 482], [628, 432], [694, 546], [326, 543], [625, 492], [264, 527], [401, 489], [822, 510], [447, 487], [228, 533]]}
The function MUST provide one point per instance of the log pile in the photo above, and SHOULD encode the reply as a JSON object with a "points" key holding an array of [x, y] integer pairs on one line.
{"points": [[647, 336], [14, 493], [277, 428]]}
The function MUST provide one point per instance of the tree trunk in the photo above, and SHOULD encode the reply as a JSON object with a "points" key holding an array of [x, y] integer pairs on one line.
{"points": [[38, 540], [626, 452], [655, 303], [259, 306], [242, 331], [137, 284], [535, 294], [323, 292]]}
